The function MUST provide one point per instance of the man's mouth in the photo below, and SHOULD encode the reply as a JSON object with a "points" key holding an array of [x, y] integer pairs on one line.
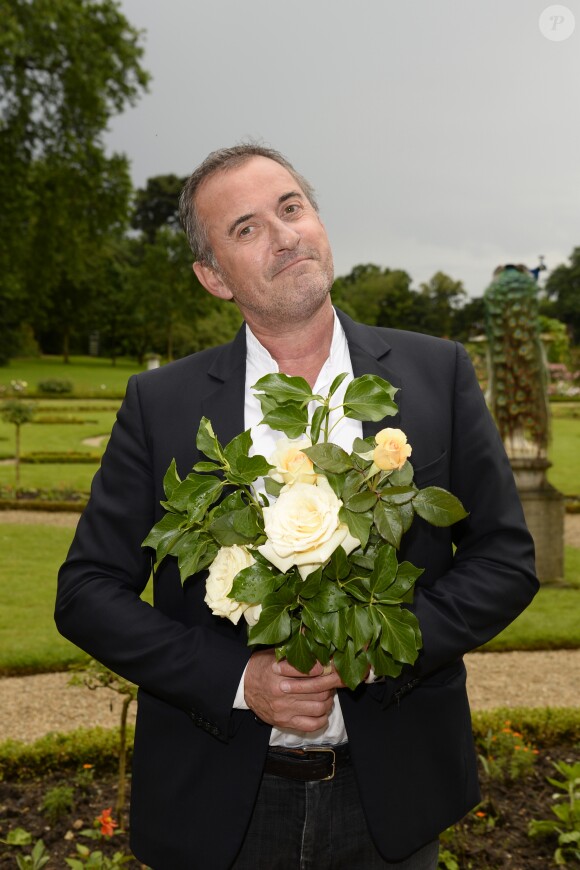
{"points": [[294, 262]]}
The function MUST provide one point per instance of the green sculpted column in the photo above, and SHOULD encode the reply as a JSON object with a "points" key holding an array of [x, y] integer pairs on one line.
{"points": [[518, 398]]}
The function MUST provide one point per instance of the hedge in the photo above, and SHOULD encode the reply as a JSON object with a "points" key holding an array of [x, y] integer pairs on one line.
{"points": [[100, 746]]}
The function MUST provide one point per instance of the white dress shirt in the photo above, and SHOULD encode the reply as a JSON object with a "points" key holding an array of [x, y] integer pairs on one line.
{"points": [[260, 363]]}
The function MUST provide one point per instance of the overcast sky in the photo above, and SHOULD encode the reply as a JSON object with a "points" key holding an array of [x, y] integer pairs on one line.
{"points": [[439, 134]]}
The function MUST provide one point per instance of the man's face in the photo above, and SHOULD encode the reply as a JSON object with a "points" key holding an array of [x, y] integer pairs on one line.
{"points": [[273, 255]]}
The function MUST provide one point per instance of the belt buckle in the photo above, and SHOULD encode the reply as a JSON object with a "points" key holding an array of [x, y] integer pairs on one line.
{"points": [[333, 753]]}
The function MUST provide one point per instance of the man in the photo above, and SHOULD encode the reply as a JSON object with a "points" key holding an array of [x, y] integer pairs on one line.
{"points": [[226, 769]]}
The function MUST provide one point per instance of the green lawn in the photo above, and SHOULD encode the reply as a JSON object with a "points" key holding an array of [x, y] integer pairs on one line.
{"points": [[31, 557], [90, 376], [564, 453]]}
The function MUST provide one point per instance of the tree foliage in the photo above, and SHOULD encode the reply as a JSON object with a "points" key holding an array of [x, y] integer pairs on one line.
{"points": [[157, 205], [66, 67], [563, 289]]}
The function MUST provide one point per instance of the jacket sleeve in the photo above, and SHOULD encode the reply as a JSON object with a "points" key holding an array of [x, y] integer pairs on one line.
{"points": [[490, 577], [99, 608]]}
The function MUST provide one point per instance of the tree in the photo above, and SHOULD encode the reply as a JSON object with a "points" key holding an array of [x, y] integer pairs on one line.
{"points": [[66, 66], [443, 296], [18, 413], [157, 205], [563, 288]]}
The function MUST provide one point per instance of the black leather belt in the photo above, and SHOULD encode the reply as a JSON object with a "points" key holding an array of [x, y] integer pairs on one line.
{"points": [[307, 764]]}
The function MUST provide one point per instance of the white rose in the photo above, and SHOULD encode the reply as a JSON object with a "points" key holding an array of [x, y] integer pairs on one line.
{"points": [[229, 562], [303, 528], [291, 465]]}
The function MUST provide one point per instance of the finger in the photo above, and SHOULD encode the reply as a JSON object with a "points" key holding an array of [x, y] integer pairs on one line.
{"points": [[311, 685], [285, 669]]}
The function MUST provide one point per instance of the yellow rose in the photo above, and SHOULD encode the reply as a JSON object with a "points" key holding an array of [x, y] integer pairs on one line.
{"points": [[303, 528], [229, 562], [291, 465], [392, 450]]}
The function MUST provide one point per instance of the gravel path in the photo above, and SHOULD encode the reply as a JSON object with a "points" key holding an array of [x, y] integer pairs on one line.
{"points": [[33, 706]]}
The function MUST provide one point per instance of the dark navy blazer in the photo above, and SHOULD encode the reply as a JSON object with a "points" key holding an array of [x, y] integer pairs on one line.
{"points": [[197, 763]]}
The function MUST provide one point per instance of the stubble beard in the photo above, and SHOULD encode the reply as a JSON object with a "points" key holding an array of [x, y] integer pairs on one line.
{"points": [[292, 297]]}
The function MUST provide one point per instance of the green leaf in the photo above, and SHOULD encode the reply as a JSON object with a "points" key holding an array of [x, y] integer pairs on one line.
{"points": [[407, 576], [359, 525], [352, 484], [338, 567], [398, 494], [284, 388], [336, 482], [352, 666], [196, 489], [299, 654], [238, 446], [253, 584], [17, 837], [166, 527], [382, 663], [310, 587], [438, 507], [370, 398], [384, 570], [171, 480], [329, 457], [407, 515], [246, 469], [336, 383], [402, 476], [359, 626], [361, 502], [292, 420], [207, 442], [272, 486], [334, 624], [330, 597], [196, 555], [399, 633], [313, 620], [273, 626], [207, 466], [235, 527], [388, 522], [317, 420], [358, 588]]}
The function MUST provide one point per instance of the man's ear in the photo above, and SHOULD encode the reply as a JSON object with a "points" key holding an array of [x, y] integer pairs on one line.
{"points": [[209, 278]]}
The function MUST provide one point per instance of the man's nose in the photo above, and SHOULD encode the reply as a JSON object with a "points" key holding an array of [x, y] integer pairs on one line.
{"points": [[283, 236]]}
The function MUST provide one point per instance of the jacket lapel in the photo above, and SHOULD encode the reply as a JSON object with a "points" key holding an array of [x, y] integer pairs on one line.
{"points": [[369, 354], [224, 403]]}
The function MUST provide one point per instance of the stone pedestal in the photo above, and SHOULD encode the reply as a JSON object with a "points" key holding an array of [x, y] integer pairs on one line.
{"points": [[544, 511]]}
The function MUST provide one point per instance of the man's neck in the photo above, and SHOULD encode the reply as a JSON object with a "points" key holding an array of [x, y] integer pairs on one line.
{"points": [[300, 348]]}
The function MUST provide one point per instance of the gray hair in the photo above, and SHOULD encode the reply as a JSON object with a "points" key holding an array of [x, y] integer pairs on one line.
{"points": [[221, 161]]}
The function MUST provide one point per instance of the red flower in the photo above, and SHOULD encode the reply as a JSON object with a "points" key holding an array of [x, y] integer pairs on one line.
{"points": [[107, 823]]}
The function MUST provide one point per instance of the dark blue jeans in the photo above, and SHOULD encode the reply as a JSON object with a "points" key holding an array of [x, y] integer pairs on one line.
{"points": [[316, 826]]}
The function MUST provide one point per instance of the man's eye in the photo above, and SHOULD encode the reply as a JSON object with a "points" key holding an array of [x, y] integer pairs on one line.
{"points": [[245, 231], [291, 208]]}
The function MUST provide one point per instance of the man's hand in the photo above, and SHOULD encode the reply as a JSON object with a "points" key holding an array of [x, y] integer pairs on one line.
{"points": [[286, 698]]}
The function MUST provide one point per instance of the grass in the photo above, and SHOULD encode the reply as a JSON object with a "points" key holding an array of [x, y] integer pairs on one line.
{"points": [[551, 621], [564, 452], [29, 641], [90, 376]]}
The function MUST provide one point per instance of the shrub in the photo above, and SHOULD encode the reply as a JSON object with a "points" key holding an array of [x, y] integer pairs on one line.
{"points": [[58, 803], [55, 386]]}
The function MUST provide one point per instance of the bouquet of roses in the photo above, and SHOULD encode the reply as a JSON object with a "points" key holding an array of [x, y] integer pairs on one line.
{"points": [[311, 563]]}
